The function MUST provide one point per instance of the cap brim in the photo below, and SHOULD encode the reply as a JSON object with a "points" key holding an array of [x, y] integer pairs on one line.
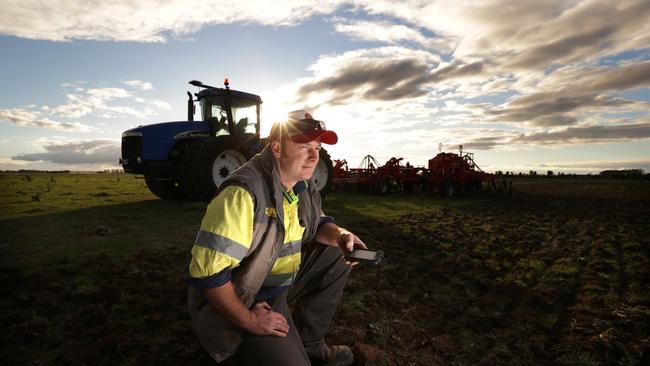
{"points": [[326, 137]]}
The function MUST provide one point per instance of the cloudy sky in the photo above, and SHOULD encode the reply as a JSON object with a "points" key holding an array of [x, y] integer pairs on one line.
{"points": [[525, 85]]}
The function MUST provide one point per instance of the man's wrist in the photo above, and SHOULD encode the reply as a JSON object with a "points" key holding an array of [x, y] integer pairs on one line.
{"points": [[252, 322]]}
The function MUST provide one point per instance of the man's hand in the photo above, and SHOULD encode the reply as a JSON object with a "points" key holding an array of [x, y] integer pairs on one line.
{"points": [[347, 242], [331, 234], [265, 321]]}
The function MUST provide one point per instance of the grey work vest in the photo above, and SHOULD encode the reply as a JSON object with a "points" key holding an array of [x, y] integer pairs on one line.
{"points": [[261, 179]]}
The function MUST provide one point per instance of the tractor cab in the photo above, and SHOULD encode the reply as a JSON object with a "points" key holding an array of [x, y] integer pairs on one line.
{"points": [[228, 112]]}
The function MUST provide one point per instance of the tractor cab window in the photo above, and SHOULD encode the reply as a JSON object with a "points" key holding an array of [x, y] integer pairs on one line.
{"points": [[245, 117], [244, 114], [219, 116], [215, 114]]}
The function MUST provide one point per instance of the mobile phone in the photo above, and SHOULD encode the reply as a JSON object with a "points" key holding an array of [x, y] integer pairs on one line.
{"points": [[365, 256]]}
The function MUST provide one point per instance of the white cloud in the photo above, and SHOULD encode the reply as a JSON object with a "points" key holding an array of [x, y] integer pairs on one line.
{"points": [[528, 34], [381, 74], [73, 152], [597, 134], [146, 20], [95, 101], [160, 104], [6, 163], [108, 93], [139, 84], [74, 84], [388, 32], [522, 34], [101, 102], [597, 165], [569, 94], [25, 118]]}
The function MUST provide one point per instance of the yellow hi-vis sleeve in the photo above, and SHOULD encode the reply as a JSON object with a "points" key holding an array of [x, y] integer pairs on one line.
{"points": [[226, 233]]}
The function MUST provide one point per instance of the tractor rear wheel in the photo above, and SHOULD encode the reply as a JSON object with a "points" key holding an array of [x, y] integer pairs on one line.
{"points": [[322, 177], [207, 164], [165, 189]]}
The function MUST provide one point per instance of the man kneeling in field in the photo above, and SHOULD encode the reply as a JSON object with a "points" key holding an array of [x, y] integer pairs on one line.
{"points": [[264, 242]]}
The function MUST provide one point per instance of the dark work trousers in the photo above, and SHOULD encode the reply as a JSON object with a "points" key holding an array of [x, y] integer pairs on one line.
{"points": [[316, 291]]}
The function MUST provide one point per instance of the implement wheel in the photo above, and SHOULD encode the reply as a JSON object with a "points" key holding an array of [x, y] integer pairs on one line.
{"points": [[449, 189], [382, 186]]}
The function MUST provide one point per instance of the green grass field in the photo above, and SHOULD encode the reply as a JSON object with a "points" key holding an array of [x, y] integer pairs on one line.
{"points": [[93, 267]]}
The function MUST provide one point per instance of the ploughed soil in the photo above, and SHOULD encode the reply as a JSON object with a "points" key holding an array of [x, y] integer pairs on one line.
{"points": [[544, 276]]}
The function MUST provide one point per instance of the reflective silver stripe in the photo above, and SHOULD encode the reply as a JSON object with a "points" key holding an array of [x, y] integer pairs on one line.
{"points": [[290, 248], [221, 244], [283, 279]]}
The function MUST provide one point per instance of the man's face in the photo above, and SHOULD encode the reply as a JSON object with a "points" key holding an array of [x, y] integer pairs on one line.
{"points": [[296, 161]]}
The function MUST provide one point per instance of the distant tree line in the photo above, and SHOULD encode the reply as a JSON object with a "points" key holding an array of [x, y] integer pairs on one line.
{"points": [[26, 171], [633, 174], [623, 174], [37, 171], [112, 171]]}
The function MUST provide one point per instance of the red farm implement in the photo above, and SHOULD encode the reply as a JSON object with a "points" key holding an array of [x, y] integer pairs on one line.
{"points": [[458, 173], [448, 173], [390, 177]]}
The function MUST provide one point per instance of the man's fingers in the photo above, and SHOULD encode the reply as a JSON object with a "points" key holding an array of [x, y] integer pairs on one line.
{"points": [[279, 334], [282, 328], [361, 244], [349, 243], [280, 322], [351, 264], [280, 318]]}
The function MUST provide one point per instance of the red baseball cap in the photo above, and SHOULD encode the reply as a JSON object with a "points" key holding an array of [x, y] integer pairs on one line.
{"points": [[301, 127]]}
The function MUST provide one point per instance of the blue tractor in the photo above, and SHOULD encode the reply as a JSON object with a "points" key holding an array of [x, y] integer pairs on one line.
{"points": [[190, 159]]}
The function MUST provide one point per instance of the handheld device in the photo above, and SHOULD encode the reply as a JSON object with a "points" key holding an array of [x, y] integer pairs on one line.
{"points": [[373, 257]]}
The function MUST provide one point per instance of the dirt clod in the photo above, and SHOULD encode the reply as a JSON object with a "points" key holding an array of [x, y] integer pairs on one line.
{"points": [[366, 354]]}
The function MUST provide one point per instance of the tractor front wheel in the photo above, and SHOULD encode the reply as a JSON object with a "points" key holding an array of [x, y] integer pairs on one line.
{"points": [[165, 189], [206, 165]]}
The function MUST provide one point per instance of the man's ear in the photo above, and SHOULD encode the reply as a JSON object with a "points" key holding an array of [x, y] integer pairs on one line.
{"points": [[276, 149]]}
